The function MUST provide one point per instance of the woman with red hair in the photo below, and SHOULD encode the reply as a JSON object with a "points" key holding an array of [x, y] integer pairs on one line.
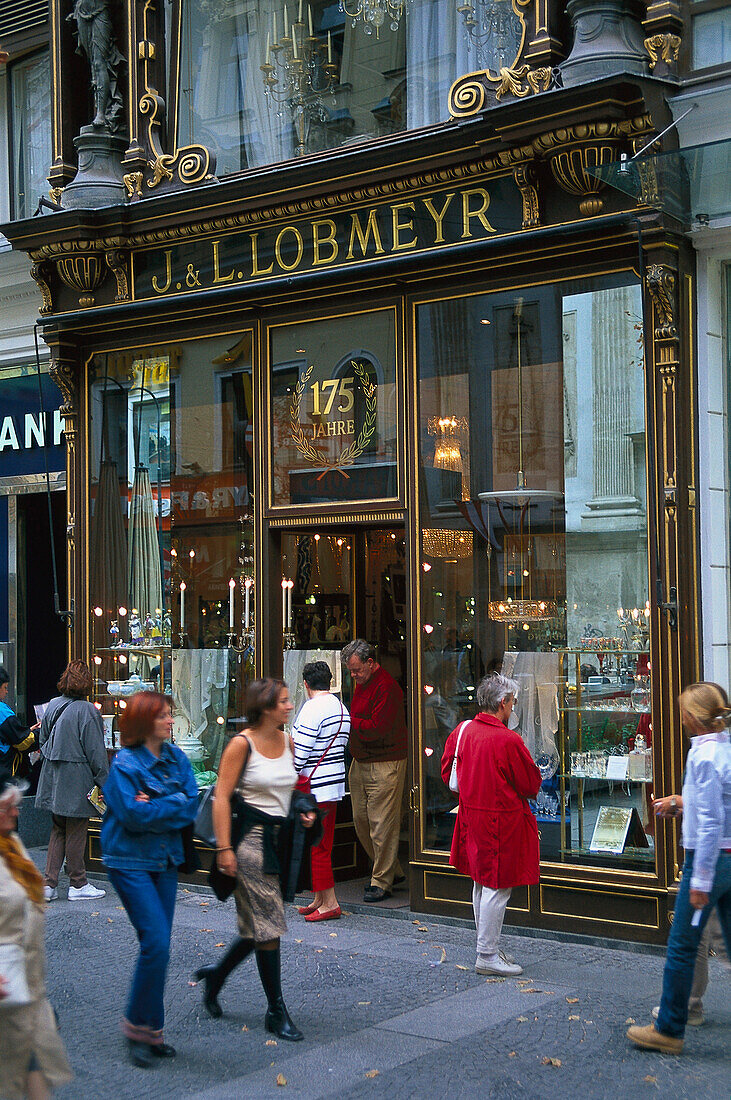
{"points": [[151, 795]]}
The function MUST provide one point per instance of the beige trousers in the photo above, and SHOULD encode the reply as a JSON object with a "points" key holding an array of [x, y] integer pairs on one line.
{"points": [[376, 791]]}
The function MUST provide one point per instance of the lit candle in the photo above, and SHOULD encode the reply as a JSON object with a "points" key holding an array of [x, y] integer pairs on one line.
{"points": [[294, 40], [182, 606], [286, 21], [284, 603], [231, 588], [274, 28], [329, 48], [299, 14], [290, 586], [247, 590], [268, 48], [309, 20]]}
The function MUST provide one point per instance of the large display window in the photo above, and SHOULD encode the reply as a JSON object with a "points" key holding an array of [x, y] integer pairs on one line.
{"points": [[533, 552], [171, 532]]}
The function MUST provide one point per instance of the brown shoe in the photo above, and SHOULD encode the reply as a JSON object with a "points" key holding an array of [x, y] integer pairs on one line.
{"points": [[649, 1038]]}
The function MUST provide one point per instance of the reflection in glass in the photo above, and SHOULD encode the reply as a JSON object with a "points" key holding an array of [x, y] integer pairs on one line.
{"points": [[534, 540], [171, 531], [30, 94]]}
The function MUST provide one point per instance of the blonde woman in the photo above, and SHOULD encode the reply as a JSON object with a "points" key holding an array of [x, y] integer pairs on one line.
{"points": [[32, 1058], [706, 880]]}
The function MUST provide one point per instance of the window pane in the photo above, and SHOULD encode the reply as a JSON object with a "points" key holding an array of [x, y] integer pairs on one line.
{"points": [[353, 78], [712, 39], [534, 552], [171, 496], [333, 394], [30, 92]]}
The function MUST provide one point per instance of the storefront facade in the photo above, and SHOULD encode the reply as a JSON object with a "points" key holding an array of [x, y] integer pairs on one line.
{"points": [[435, 390]]}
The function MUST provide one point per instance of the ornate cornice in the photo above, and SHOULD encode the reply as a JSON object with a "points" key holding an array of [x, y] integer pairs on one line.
{"points": [[662, 47]]}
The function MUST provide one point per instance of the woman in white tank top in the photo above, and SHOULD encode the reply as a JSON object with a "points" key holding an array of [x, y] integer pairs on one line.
{"points": [[258, 765]]}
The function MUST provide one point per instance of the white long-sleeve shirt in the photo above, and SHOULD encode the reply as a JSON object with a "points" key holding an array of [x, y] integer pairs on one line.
{"points": [[707, 805], [315, 726]]}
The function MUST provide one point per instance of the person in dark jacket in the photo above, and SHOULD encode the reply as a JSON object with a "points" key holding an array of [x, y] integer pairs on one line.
{"points": [[257, 768], [16, 740], [151, 795], [74, 760]]}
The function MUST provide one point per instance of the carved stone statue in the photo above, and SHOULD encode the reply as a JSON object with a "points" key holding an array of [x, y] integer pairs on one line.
{"points": [[95, 35]]}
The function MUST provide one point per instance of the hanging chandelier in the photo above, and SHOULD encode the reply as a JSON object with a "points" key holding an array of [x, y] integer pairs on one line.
{"points": [[374, 13], [495, 28], [439, 542], [522, 611]]}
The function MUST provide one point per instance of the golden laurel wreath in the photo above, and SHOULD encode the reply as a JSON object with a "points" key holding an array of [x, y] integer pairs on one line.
{"points": [[357, 447]]}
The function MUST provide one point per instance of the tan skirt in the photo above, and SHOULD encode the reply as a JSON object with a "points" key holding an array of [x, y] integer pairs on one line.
{"points": [[259, 905]]}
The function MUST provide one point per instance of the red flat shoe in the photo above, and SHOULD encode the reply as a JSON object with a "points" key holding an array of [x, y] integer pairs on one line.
{"points": [[329, 914], [305, 909]]}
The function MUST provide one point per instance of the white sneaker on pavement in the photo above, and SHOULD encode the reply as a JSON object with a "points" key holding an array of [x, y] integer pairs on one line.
{"points": [[696, 1017], [497, 964], [81, 893], [50, 893]]}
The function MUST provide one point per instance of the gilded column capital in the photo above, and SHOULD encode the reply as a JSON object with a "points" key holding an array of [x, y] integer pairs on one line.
{"points": [[661, 284]]}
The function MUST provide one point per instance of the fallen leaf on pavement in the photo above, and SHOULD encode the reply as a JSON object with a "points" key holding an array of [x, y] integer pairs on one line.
{"points": [[588, 1021], [271, 1042], [205, 929], [245, 1028], [95, 914], [530, 989], [494, 979], [513, 1054], [416, 922], [572, 1000], [219, 945], [298, 941], [650, 1080], [574, 1017], [109, 920], [630, 1020], [192, 983], [318, 951], [281, 1079], [372, 1072], [522, 1019], [550, 1061], [422, 929], [364, 1002], [333, 935], [458, 967]]}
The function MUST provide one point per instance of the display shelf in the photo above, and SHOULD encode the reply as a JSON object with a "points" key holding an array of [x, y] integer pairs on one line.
{"points": [[604, 710]]}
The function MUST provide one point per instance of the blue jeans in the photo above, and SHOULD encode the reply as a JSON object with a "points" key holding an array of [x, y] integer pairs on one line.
{"points": [[683, 943], [149, 898]]}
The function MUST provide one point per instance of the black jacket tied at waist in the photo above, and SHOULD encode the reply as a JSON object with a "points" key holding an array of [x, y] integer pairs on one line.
{"points": [[286, 843]]}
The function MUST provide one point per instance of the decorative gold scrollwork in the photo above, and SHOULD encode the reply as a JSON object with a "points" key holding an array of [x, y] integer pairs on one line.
{"points": [[39, 272], [62, 374], [467, 96], [117, 264], [526, 179], [662, 47], [133, 184], [661, 285]]}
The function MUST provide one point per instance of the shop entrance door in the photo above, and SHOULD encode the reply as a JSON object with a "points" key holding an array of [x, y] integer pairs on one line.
{"points": [[339, 584]]}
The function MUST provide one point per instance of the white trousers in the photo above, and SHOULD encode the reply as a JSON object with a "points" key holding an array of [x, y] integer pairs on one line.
{"points": [[489, 906]]}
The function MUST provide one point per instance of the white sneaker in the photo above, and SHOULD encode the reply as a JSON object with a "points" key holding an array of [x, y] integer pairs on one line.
{"points": [[50, 893], [696, 1018], [81, 893], [496, 964]]}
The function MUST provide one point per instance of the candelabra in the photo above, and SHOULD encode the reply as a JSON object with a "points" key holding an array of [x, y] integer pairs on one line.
{"points": [[374, 13], [635, 623], [494, 29], [298, 71]]}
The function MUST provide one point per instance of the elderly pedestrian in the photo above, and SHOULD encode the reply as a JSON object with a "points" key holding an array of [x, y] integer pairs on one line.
{"points": [[706, 879], [75, 759], [151, 796], [32, 1057], [495, 838], [320, 734], [378, 771]]}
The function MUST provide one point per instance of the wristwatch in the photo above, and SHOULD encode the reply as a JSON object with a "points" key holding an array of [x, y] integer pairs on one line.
{"points": [[674, 806]]}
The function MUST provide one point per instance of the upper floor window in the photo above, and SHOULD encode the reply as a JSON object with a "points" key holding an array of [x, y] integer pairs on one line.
{"points": [[30, 132], [261, 81], [711, 33]]}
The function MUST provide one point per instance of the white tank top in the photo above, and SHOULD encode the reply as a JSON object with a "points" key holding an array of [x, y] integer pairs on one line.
{"points": [[267, 784]]}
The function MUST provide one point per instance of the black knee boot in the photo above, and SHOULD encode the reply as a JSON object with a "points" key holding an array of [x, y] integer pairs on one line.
{"points": [[277, 1018], [215, 976]]}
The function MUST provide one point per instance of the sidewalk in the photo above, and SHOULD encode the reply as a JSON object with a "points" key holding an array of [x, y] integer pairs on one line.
{"points": [[388, 1007]]}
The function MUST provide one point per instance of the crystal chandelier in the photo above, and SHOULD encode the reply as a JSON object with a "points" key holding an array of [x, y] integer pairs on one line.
{"points": [[441, 542], [374, 13], [495, 28]]}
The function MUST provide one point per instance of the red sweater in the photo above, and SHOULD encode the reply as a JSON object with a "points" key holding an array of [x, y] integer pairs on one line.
{"points": [[377, 722]]}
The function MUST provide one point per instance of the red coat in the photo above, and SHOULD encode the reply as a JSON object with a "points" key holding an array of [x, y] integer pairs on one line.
{"points": [[495, 836]]}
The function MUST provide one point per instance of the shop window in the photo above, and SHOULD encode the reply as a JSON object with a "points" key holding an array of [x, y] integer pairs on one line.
{"points": [[261, 82], [172, 599], [533, 521], [711, 33], [30, 132], [334, 411]]}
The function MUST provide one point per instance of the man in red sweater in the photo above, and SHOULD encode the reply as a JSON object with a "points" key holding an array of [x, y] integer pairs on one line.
{"points": [[378, 771]]}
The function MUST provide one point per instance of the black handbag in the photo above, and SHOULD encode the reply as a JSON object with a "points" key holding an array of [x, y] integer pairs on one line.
{"points": [[203, 824]]}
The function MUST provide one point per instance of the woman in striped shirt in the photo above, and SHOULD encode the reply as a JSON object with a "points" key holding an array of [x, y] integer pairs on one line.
{"points": [[320, 734]]}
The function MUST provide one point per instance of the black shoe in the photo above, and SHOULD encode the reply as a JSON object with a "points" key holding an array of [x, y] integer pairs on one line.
{"points": [[278, 1022], [163, 1050], [209, 976], [140, 1054], [375, 893]]}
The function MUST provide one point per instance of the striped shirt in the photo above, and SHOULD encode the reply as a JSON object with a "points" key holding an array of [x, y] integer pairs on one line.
{"points": [[313, 730]]}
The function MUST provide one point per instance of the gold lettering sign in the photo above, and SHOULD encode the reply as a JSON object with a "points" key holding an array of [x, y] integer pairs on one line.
{"points": [[324, 395]]}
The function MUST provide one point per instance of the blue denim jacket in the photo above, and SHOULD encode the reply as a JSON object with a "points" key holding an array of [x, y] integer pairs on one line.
{"points": [[145, 836]]}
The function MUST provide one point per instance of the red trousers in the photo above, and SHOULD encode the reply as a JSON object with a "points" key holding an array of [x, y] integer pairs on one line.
{"points": [[320, 856]]}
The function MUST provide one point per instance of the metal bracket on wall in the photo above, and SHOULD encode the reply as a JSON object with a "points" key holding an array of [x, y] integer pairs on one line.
{"points": [[671, 606]]}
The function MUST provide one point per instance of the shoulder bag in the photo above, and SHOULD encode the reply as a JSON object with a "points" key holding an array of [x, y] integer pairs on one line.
{"points": [[453, 781], [12, 968], [203, 825], [304, 782]]}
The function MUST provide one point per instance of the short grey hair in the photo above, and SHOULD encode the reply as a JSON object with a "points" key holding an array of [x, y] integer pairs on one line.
{"points": [[359, 648], [493, 690], [12, 793]]}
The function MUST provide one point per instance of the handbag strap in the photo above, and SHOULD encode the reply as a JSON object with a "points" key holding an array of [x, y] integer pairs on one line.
{"points": [[332, 742], [57, 714], [459, 737]]}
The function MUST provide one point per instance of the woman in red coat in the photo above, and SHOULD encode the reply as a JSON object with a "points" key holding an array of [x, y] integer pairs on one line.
{"points": [[495, 836]]}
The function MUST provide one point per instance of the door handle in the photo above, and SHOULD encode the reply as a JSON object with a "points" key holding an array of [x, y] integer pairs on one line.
{"points": [[414, 800]]}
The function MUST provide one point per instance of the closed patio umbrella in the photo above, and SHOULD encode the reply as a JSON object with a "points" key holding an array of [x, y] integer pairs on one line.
{"points": [[108, 543], [145, 580]]}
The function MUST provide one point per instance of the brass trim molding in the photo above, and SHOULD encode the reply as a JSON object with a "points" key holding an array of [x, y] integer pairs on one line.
{"points": [[329, 518]]}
